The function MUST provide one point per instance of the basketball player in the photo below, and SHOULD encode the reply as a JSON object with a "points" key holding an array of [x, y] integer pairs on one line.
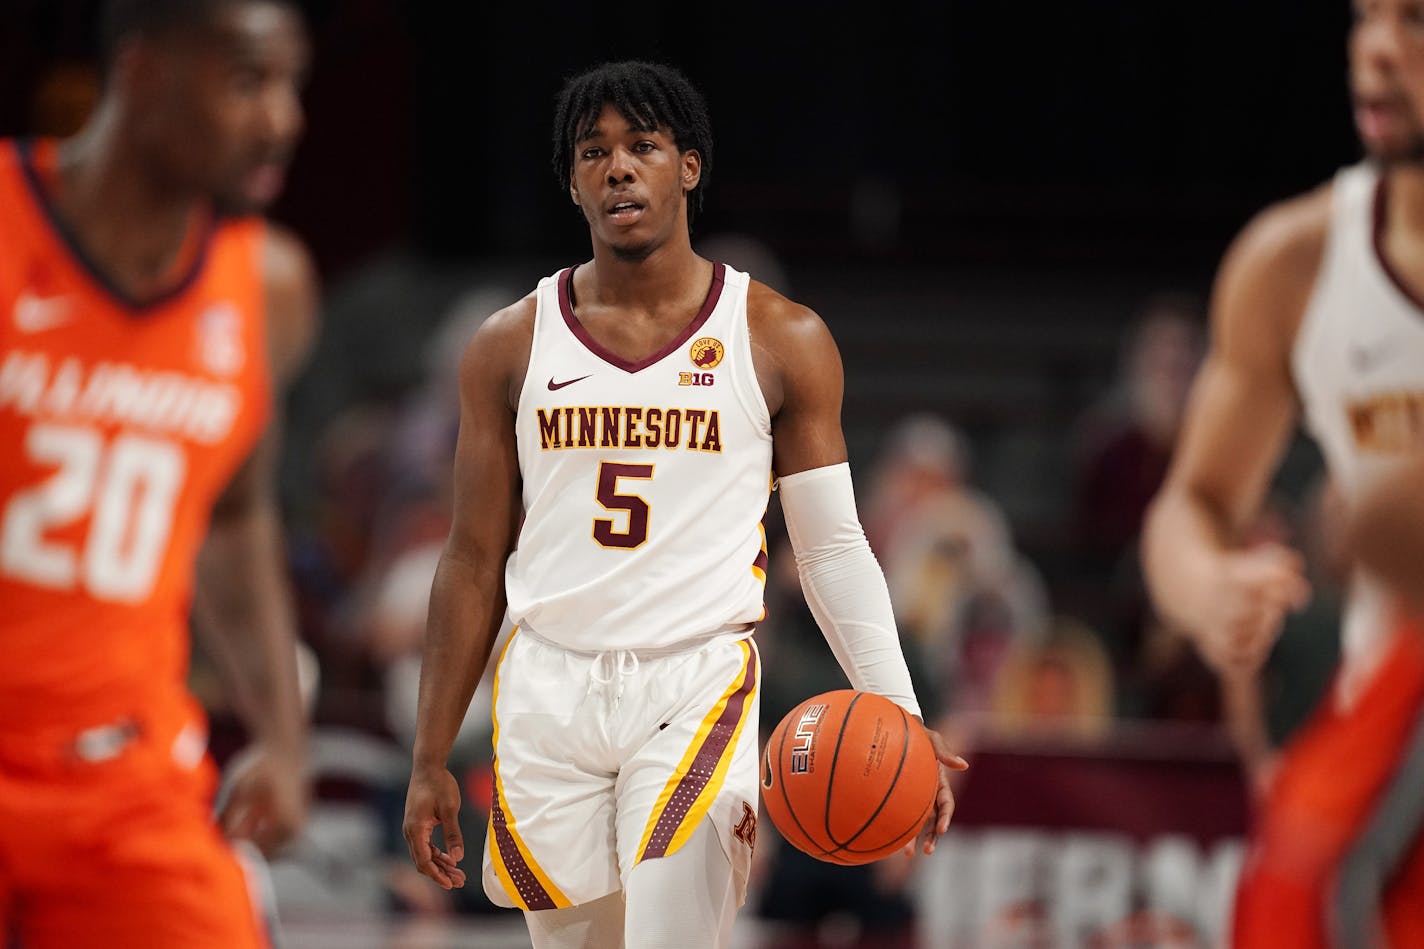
{"points": [[620, 429], [1317, 309], [148, 320]]}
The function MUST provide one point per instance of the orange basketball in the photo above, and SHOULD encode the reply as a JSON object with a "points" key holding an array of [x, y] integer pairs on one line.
{"points": [[849, 777]]}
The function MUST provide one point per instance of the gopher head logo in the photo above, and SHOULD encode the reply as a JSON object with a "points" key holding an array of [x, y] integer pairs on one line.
{"points": [[707, 352]]}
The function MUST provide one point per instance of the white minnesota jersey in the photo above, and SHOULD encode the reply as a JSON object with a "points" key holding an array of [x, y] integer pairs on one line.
{"points": [[645, 484], [1358, 364]]}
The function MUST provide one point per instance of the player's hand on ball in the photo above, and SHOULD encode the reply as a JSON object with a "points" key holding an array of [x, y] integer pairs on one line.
{"points": [[434, 798], [1257, 588], [267, 799], [938, 824]]}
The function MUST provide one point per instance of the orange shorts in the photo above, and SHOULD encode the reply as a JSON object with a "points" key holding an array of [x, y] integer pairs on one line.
{"points": [[1336, 856], [121, 852]]}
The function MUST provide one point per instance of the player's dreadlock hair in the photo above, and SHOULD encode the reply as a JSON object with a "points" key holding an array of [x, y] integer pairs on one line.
{"points": [[649, 96], [122, 19]]}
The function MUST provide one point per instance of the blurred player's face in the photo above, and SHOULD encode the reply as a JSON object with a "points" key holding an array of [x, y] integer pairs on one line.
{"points": [[631, 184], [1387, 77], [219, 111]]}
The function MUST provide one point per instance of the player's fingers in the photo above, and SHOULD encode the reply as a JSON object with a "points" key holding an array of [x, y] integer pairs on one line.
{"points": [[447, 863], [239, 821], [417, 840], [944, 805], [942, 752], [454, 842]]}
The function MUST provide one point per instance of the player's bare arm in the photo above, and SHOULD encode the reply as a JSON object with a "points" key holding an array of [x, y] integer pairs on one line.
{"points": [[799, 368], [467, 599], [243, 603], [1243, 409]]}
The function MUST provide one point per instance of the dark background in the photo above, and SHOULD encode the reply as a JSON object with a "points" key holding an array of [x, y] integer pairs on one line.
{"points": [[1024, 135]]}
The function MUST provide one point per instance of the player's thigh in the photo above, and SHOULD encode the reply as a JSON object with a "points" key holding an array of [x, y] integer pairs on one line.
{"points": [[160, 884], [597, 923], [699, 766], [550, 841], [686, 900]]}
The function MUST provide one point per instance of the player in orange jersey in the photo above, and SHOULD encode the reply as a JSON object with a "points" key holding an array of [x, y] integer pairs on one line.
{"points": [[1319, 311], [148, 320]]}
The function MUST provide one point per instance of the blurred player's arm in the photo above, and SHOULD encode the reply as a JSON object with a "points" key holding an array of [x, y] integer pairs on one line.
{"points": [[1243, 408], [799, 368], [467, 598], [243, 602], [1386, 532]]}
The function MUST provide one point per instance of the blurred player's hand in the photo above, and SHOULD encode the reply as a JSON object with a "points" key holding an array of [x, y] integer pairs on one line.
{"points": [[937, 825], [1256, 588], [434, 798], [266, 800]]}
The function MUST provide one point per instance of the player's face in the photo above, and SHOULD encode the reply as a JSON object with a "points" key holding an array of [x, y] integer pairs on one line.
{"points": [[226, 114], [631, 184], [1387, 77]]}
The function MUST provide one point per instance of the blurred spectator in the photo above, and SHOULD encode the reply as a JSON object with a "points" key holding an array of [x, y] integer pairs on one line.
{"points": [[955, 577], [1061, 688], [1126, 440], [1123, 445]]}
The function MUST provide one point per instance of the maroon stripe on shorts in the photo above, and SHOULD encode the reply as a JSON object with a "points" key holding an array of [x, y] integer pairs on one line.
{"points": [[703, 764], [531, 891]]}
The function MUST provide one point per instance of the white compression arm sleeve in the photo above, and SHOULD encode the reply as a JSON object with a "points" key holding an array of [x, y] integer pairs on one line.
{"points": [[843, 582]]}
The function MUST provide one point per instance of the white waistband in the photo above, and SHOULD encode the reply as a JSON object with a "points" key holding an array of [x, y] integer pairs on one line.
{"points": [[730, 634]]}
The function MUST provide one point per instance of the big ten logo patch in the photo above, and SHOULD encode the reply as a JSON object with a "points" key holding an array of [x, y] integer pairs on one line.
{"points": [[695, 378], [803, 756], [707, 352], [745, 831]]}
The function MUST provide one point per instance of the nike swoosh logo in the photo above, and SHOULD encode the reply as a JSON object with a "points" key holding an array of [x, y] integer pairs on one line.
{"points": [[556, 386], [1365, 357], [36, 314]]}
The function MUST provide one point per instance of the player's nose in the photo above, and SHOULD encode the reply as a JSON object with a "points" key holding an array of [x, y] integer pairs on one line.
{"points": [[281, 117], [620, 165]]}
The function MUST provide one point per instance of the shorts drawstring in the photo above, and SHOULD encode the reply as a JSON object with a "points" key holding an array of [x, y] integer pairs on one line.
{"points": [[622, 663]]}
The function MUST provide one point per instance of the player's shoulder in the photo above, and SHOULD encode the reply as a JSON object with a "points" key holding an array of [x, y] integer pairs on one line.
{"points": [[771, 315], [510, 323], [289, 277], [287, 264], [1288, 238], [500, 345]]}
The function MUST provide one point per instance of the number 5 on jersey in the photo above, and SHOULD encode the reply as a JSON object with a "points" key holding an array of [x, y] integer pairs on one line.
{"points": [[636, 533]]}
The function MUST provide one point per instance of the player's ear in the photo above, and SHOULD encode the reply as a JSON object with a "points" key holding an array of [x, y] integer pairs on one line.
{"points": [[135, 70], [691, 169], [573, 190]]}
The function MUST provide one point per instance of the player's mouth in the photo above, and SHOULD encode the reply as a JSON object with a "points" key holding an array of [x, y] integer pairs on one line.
{"points": [[1377, 117], [264, 182], [624, 211]]}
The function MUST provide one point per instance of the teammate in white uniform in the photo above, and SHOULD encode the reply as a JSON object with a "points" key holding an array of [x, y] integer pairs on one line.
{"points": [[633, 411], [1317, 309]]}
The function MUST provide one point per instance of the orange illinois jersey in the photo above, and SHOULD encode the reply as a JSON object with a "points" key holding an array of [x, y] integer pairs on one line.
{"points": [[120, 424]]}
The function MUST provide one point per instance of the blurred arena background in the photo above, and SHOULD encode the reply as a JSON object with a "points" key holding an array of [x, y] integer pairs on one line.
{"points": [[1009, 215]]}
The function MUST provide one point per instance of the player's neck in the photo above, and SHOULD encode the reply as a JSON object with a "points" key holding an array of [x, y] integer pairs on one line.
{"points": [[1405, 214], [136, 229], [646, 283]]}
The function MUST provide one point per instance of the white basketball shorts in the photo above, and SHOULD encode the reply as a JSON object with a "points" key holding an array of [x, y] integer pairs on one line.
{"points": [[606, 760]]}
